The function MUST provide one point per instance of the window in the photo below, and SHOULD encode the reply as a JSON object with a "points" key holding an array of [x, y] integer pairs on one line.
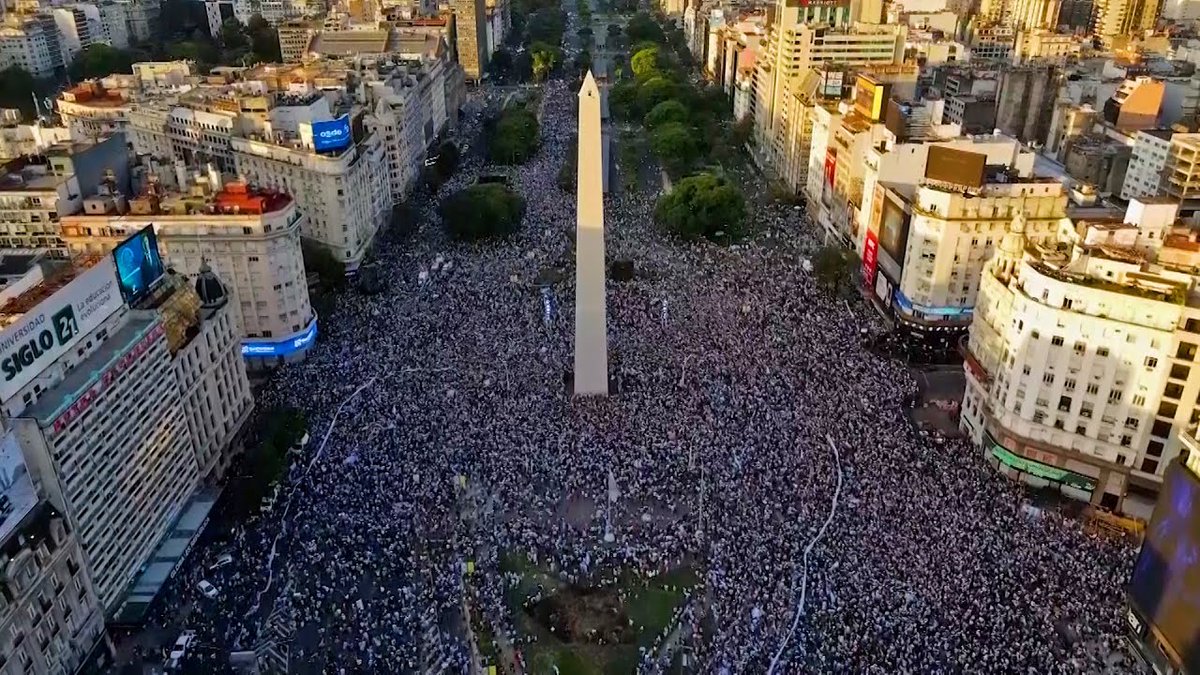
{"points": [[1150, 465], [1150, 362], [1102, 351], [1179, 372], [1138, 400], [1035, 335], [1161, 428], [1048, 378], [1093, 389], [1167, 409], [1064, 403], [1039, 416], [1069, 384], [1131, 422], [1126, 441], [1186, 351], [1057, 341], [1025, 370], [1154, 448], [1080, 348], [1081, 430], [1085, 410], [1115, 395]]}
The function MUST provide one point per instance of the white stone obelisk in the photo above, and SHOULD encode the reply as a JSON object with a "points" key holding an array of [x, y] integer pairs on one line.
{"points": [[591, 311]]}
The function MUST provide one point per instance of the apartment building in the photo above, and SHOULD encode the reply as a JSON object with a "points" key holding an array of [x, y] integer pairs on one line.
{"points": [[249, 238], [1147, 164], [1021, 14], [92, 112], [992, 43], [779, 81], [111, 436], [1081, 356], [346, 194], [1116, 18], [470, 28], [50, 619], [1045, 46], [295, 36], [79, 27], [1183, 167], [32, 42], [33, 199]]}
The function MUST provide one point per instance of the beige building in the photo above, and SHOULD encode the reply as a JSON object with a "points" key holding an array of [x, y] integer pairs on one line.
{"points": [[295, 36], [1183, 167], [50, 617], [249, 238], [92, 112], [470, 25], [1045, 46], [33, 199], [1081, 363], [1120, 18]]}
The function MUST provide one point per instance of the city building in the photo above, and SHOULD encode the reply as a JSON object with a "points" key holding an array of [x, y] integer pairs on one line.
{"points": [[1025, 101], [1021, 14], [1147, 164], [32, 43], [114, 23], [249, 238], [346, 193], [470, 28], [295, 36], [1119, 18], [1181, 11], [1045, 46], [992, 43], [928, 241], [33, 198], [111, 434], [50, 619], [1081, 358], [1135, 104], [143, 18], [974, 114], [92, 112], [78, 27], [19, 140]]}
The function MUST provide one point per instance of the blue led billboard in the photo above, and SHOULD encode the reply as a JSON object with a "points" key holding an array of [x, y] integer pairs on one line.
{"points": [[282, 347], [139, 264], [1165, 586], [331, 134]]}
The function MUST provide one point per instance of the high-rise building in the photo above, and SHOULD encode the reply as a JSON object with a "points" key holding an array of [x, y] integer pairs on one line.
{"points": [[1021, 14], [1116, 18], [249, 238], [1081, 364], [32, 43], [79, 26], [1147, 164], [470, 27], [33, 198], [135, 394], [295, 36]]}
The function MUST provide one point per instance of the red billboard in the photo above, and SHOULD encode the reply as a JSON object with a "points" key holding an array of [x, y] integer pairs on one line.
{"points": [[870, 258], [830, 166]]}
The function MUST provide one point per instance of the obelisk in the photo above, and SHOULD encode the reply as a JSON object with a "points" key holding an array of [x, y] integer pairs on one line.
{"points": [[591, 312]]}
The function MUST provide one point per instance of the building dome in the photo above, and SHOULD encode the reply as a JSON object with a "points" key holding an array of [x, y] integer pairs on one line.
{"points": [[209, 287]]}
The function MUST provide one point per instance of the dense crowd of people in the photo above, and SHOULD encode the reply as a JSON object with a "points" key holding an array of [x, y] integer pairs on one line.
{"points": [[443, 434]]}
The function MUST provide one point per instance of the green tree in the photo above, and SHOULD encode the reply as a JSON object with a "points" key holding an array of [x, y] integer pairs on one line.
{"points": [[100, 60], [667, 112], [513, 138], [642, 27], [832, 267], [481, 212], [16, 84], [676, 146], [645, 63], [705, 206], [623, 100], [656, 90], [264, 40], [501, 65], [233, 34], [545, 59]]}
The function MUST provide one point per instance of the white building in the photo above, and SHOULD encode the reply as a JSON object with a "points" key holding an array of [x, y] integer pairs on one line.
{"points": [[114, 23], [116, 414], [79, 26], [1181, 10], [1147, 165], [250, 239], [33, 44], [143, 18], [1081, 357], [91, 112], [346, 193]]}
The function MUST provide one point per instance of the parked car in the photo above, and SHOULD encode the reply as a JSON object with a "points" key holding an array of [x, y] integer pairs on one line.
{"points": [[206, 589], [179, 651], [222, 560]]}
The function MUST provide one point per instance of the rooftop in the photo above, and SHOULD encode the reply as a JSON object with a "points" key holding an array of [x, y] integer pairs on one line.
{"points": [[57, 399], [50, 285]]}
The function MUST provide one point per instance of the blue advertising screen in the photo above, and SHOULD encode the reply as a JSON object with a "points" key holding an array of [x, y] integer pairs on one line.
{"points": [[139, 264], [331, 134], [282, 347], [1165, 585]]}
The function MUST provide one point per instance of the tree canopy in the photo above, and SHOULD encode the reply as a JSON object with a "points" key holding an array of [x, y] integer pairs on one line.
{"points": [[100, 60], [670, 111], [676, 146], [645, 63], [641, 27], [545, 59], [654, 91], [482, 211], [702, 206], [513, 137], [832, 267]]}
